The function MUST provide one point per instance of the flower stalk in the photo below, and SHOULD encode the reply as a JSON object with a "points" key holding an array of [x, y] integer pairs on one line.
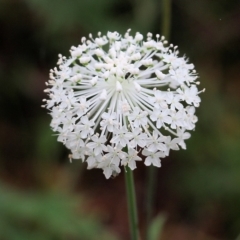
{"points": [[132, 205]]}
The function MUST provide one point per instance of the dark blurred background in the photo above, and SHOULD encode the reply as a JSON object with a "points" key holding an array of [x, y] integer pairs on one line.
{"points": [[43, 196]]}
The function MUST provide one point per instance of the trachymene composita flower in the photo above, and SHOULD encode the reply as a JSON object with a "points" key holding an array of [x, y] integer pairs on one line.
{"points": [[117, 100]]}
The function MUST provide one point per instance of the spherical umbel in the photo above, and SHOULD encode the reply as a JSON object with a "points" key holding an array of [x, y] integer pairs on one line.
{"points": [[116, 97]]}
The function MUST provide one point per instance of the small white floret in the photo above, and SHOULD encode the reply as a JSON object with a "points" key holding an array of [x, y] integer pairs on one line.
{"points": [[160, 75]]}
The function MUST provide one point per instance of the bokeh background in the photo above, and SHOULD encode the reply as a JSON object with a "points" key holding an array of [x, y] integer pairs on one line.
{"points": [[43, 196]]}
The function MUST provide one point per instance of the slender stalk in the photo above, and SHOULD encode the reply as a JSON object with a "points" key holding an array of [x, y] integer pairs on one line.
{"points": [[132, 206], [151, 187], [152, 172]]}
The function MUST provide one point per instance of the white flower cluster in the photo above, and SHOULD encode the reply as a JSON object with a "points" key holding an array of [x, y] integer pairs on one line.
{"points": [[117, 100]]}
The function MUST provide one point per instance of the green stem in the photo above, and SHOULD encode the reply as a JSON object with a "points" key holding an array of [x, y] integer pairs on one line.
{"points": [[151, 187], [166, 18], [132, 206]]}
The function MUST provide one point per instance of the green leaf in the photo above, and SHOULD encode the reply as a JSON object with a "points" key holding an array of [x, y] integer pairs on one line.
{"points": [[238, 237], [156, 227]]}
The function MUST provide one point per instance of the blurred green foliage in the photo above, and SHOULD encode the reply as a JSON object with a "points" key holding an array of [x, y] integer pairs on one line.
{"points": [[210, 168], [63, 16], [46, 215]]}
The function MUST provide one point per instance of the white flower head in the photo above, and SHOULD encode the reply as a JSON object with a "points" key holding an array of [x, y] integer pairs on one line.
{"points": [[117, 93]]}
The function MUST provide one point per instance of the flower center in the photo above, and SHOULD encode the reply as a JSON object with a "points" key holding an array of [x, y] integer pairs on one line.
{"points": [[119, 84]]}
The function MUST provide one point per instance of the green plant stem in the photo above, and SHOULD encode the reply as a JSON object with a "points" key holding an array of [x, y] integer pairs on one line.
{"points": [[132, 206], [166, 18], [151, 187]]}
